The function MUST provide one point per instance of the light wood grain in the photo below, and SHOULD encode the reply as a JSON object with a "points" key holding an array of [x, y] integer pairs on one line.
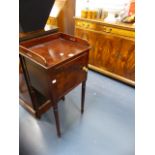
{"points": [[112, 53]]}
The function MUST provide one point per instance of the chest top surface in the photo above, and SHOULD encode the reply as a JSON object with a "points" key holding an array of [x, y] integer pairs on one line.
{"points": [[53, 49]]}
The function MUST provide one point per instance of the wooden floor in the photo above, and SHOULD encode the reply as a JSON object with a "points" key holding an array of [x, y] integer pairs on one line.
{"points": [[106, 128]]}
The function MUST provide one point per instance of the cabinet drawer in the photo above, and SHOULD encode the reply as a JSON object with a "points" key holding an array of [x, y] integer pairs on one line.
{"points": [[123, 32], [86, 25], [116, 31], [69, 75]]}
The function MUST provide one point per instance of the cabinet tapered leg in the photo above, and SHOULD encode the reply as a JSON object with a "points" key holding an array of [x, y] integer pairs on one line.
{"points": [[83, 96], [56, 115]]}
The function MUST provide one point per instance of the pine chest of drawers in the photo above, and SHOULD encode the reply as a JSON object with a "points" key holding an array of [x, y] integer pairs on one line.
{"points": [[113, 47]]}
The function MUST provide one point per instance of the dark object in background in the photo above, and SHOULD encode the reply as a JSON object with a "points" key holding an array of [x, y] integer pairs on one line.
{"points": [[33, 14]]}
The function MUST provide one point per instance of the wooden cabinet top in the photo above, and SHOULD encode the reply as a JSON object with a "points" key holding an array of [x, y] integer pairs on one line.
{"points": [[53, 49], [120, 25]]}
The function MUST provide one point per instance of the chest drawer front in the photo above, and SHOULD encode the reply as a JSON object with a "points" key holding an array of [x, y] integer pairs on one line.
{"points": [[84, 24], [69, 75], [122, 32], [103, 28]]}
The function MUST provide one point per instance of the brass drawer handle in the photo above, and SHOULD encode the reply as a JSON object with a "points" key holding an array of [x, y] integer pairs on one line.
{"points": [[109, 30], [87, 26], [85, 69], [104, 29]]}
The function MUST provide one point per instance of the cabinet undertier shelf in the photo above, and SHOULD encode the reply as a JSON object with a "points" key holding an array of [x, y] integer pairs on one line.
{"points": [[111, 54], [43, 104], [25, 99]]}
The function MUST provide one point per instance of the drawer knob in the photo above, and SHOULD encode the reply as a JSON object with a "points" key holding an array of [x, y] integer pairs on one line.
{"points": [[85, 69], [54, 81], [87, 26], [108, 30]]}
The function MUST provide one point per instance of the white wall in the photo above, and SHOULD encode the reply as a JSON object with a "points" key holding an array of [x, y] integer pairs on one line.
{"points": [[105, 4]]}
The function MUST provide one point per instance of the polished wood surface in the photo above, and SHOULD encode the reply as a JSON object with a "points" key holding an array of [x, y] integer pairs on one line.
{"points": [[70, 70], [56, 49], [112, 52], [59, 75]]}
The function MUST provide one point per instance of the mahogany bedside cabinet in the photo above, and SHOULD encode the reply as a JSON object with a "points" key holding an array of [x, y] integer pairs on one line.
{"points": [[53, 65]]}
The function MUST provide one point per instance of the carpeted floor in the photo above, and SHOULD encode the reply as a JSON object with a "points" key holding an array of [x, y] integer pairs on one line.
{"points": [[107, 126]]}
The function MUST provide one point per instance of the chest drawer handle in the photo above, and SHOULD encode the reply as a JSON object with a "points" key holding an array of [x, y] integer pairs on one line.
{"points": [[87, 26], [108, 30], [54, 81], [85, 69]]}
